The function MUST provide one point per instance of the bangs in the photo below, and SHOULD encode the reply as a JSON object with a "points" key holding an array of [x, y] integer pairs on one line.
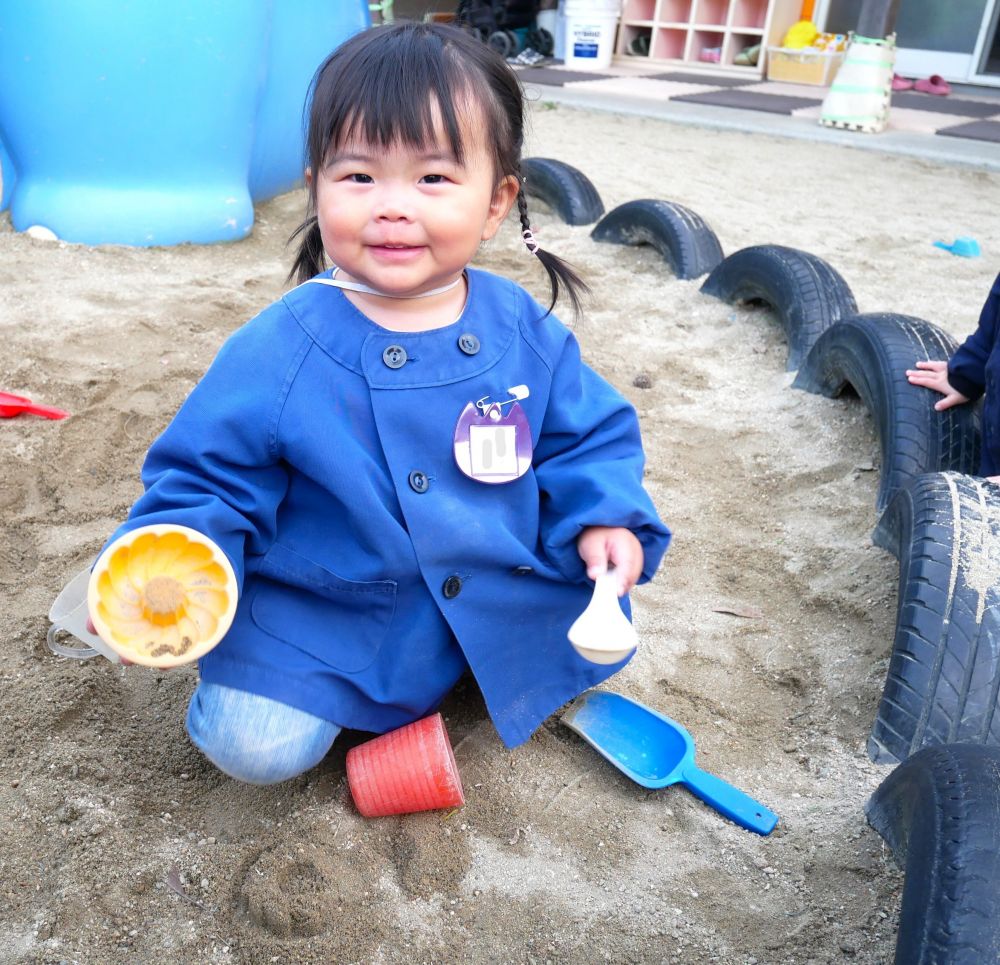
{"points": [[387, 91]]}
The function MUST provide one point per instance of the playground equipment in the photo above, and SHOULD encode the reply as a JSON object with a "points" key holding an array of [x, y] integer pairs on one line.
{"points": [[806, 294], [860, 97], [680, 235], [567, 190], [159, 123], [937, 812], [6, 177]]}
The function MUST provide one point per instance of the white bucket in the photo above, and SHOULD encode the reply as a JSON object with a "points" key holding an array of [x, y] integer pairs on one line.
{"points": [[560, 31], [590, 33]]}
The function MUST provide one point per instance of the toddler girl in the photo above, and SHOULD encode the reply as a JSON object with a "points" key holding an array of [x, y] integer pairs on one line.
{"points": [[409, 467]]}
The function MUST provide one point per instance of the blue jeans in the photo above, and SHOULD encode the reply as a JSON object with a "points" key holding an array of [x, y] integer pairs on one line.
{"points": [[255, 739]]}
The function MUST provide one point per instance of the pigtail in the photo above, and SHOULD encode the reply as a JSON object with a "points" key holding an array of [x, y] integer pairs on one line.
{"points": [[561, 274], [311, 258]]}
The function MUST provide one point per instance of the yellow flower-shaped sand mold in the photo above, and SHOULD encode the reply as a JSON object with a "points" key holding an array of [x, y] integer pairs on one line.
{"points": [[162, 595]]}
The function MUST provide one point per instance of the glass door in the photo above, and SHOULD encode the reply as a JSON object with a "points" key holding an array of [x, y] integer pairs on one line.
{"points": [[986, 58]]}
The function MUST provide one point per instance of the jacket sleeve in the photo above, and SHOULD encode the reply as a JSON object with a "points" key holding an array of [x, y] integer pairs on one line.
{"points": [[588, 464], [214, 468], [967, 367]]}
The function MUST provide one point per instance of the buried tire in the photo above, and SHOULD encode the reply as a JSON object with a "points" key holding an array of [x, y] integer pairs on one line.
{"points": [[871, 353], [944, 671], [938, 815], [681, 236], [803, 290], [564, 188]]}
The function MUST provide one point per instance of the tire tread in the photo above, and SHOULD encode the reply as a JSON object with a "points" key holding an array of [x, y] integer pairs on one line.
{"points": [[943, 680], [806, 293], [871, 353], [681, 236], [937, 812], [566, 189]]}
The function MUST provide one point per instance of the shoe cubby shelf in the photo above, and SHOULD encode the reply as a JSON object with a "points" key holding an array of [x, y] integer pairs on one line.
{"points": [[706, 33]]}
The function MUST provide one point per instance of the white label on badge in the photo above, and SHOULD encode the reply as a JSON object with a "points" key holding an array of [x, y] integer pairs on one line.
{"points": [[493, 450]]}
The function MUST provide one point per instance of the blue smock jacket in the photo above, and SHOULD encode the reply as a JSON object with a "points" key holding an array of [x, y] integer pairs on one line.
{"points": [[975, 369], [317, 452]]}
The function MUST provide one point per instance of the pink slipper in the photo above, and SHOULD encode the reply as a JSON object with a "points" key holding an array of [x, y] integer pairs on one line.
{"points": [[935, 84], [901, 83]]}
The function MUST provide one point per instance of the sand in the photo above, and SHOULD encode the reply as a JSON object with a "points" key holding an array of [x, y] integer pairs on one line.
{"points": [[118, 843]]}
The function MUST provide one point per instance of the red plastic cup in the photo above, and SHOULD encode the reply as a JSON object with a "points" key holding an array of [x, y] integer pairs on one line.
{"points": [[407, 770]]}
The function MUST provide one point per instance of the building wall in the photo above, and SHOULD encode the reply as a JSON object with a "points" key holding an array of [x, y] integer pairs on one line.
{"points": [[951, 25]]}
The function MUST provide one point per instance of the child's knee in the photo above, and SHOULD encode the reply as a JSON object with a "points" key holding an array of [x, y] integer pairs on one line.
{"points": [[255, 739]]}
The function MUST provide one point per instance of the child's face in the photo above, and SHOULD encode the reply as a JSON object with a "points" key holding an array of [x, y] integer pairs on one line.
{"points": [[406, 220]]}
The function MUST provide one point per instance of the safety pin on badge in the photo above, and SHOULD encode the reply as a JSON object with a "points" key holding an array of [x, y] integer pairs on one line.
{"points": [[492, 446]]}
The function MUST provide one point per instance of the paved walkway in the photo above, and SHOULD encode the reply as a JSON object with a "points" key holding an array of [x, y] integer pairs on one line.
{"points": [[962, 128]]}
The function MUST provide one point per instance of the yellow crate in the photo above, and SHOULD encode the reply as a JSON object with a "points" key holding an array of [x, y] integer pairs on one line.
{"points": [[817, 67]]}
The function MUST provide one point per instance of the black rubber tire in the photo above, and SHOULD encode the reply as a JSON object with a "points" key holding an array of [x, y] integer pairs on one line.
{"points": [[504, 42], [681, 236], [938, 815], [872, 353], [944, 671], [803, 290], [564, 188]]}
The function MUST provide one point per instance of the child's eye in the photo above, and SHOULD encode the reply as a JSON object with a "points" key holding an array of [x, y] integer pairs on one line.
{"points": [[434, 179], [360, 178]]}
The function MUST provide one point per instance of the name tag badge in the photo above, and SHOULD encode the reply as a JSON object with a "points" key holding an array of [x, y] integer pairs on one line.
{"points": [[493, 446]]}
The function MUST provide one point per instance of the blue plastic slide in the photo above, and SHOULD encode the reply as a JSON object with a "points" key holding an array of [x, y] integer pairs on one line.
{"points": [[157, 123]]}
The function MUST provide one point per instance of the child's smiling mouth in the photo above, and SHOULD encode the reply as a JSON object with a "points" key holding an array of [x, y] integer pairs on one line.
{"points": [[396, 252]]}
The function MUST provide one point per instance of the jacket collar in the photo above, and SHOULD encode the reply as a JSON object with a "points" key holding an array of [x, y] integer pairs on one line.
{"points": [[432, 357]]}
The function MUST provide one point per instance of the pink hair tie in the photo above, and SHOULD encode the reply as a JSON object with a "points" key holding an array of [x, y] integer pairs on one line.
{"points": [[529, 240]]}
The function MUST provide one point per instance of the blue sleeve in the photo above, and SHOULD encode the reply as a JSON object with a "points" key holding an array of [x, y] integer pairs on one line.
{"points": [[588, 465], [215, 468], [967, 367]]}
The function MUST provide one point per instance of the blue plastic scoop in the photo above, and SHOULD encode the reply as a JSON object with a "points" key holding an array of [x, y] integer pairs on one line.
{"points": [[656, 752], [965, 247]]}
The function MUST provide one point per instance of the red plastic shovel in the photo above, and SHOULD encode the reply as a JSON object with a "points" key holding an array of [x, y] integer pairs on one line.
{"points": [[11, 405]]}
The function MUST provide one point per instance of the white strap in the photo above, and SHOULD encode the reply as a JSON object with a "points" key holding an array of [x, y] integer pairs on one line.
{"points": [[365, 290]]}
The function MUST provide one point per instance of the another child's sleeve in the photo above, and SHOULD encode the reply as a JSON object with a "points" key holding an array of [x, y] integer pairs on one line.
{"points": [[214, 467], [588, 465], [967, 367]]}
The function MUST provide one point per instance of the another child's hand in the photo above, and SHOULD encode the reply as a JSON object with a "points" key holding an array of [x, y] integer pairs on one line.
{"points": [[934, 375], [603, 546]]}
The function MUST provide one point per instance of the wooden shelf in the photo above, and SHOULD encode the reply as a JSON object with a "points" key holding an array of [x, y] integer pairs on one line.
{"points": [[640, 10], [680, 31], [748, 13], [676, 11], [711, 13]]}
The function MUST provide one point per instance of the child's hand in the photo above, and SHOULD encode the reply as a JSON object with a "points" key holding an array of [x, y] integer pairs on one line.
{"points": [[603, 546], [934, 375]]}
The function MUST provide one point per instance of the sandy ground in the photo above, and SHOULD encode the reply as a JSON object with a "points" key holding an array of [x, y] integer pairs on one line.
{"points": [[556, 857]]}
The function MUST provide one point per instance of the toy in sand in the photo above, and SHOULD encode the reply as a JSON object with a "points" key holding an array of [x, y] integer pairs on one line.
{"points": [[162, 595]]}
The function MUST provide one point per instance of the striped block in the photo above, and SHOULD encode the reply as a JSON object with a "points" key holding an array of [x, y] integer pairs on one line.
{"points": [[861, 93]]}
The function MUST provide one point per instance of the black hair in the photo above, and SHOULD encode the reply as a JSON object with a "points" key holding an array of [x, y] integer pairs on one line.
{"points": [[381, 85]]}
